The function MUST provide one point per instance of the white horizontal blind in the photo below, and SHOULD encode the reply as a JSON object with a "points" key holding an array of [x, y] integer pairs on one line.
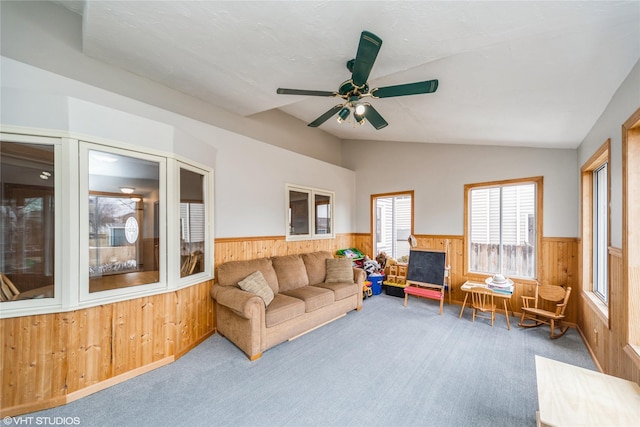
{"points": [[485, 215], [192, 222]]}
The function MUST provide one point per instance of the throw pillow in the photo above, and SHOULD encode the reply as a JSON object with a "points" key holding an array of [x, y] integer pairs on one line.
{"points": [[339, 270], [256, 284]]}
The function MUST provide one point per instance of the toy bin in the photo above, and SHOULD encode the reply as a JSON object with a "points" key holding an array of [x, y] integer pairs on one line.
{"points": [[394, 289], [376, 283]]}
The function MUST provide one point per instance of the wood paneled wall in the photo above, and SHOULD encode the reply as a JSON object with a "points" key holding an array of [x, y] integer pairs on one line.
{"points": [[51, 359], [607, 339], [559, 266], [235, 249]]}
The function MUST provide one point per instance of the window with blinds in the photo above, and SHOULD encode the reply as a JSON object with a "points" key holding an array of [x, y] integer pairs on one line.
{"points": [[192, 222], [502, 229]]}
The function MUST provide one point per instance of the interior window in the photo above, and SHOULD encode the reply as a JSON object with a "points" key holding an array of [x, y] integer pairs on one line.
{"points": [[192, 222], [72, 209], [323, 214], [124, 238], [309, 213], [27, 221], [298, 213]]}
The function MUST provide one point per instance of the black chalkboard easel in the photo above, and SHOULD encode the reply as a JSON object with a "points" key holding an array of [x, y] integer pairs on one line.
{"points": [[426, 267]]}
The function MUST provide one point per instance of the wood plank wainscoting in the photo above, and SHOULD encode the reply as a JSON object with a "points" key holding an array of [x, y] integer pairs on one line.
{"points": [[559, 263], [607, 338], [52, 359], [48, 360]]}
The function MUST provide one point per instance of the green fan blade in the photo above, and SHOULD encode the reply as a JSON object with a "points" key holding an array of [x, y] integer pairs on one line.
{"points": [[367, 52], [374, 117], [283, 91], [428, 86], [326, 116]]}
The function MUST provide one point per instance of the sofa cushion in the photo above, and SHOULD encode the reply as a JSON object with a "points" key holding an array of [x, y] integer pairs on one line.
{"points": [[256, 284], [313, 297], [231, 272], [341, 290], [339, 270], [283, 308], [316, 266], [290, 271]]}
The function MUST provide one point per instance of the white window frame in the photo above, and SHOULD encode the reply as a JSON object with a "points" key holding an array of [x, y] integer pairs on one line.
{"points": [[601, 232], [115, 294], [208, 225], [71, 289], [61, 224], [311, 192]]}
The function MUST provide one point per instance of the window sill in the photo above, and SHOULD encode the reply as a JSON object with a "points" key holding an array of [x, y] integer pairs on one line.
{"points": [[633, 351], [481, 277], [598, 307], [306, 237]]}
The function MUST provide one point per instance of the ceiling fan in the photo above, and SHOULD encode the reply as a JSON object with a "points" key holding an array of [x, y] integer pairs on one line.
{"points": [[353, 90]]}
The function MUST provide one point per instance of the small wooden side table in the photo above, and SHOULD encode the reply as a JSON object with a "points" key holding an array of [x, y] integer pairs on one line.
{"points": [[466, 287]]}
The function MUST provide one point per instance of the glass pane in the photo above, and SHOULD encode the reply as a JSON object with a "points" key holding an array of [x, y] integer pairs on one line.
{"points": [[484, 230], [192, 223], [600, 232], [323, 214], [27, 221], [518, 230], [402, 227], [124, 237], [384, 229], [298, 213], [502, 229], [393, 226]]}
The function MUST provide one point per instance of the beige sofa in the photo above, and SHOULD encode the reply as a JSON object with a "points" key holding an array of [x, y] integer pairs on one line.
{"points": [[305, 295]]}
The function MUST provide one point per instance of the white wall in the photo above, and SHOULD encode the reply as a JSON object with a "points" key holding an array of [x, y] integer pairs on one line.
{"points": [[623, 104], [250, 175], [438, 172], [42, 42], [48, 36]]}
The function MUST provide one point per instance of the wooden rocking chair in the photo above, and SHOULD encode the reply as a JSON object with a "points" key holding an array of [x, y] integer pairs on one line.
{"points": [[8, 290], [190, 263], [547, 296]]}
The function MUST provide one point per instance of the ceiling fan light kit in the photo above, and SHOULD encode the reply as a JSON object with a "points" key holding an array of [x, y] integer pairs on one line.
{"points": [[343, 114], [356, 88]]}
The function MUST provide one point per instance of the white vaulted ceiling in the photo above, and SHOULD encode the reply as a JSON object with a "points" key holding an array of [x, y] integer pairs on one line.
{"points": [[510, 73]]}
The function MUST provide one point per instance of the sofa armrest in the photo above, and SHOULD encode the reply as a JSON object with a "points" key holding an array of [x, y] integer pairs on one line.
{"points": [[359, 276], [236, 299]]}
